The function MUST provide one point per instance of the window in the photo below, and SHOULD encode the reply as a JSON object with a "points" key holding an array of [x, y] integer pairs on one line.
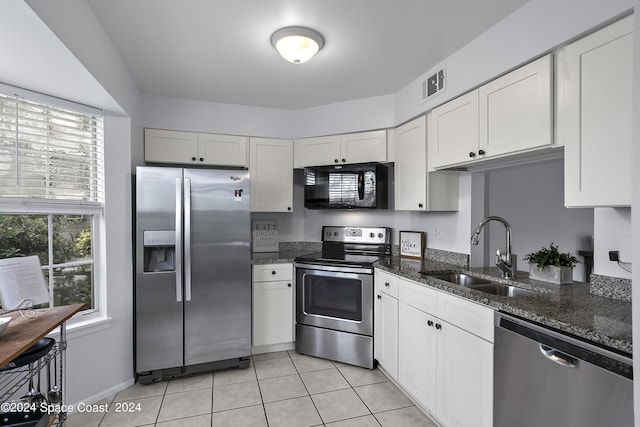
{"points": [[51, 192]]}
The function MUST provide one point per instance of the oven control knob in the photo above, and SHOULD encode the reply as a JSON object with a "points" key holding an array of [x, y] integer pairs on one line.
{"points": [[379, 296], [335, 233], [372, 235], [380, 235]]}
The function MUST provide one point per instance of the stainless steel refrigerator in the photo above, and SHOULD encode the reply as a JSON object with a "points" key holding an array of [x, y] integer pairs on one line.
{"points": [[193, 271]]}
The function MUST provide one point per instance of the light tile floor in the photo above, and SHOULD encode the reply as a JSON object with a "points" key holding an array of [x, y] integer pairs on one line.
{"points": [[278, 390]]}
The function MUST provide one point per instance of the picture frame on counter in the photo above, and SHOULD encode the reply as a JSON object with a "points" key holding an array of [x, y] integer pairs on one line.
{"points": [[412, 244]]}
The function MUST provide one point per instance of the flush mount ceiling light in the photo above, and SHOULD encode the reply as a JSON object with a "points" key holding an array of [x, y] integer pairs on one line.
{"points": [[297, 44]]}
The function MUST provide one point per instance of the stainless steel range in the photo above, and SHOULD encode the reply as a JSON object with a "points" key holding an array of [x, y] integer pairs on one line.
{"points": [[334, 294]]}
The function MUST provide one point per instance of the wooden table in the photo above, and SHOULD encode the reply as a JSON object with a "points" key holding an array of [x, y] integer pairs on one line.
{"points": [[23, 332]]}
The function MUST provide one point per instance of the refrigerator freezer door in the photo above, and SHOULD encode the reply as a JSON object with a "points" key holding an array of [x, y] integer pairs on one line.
{"points": [[159, 311], [218, 295]]}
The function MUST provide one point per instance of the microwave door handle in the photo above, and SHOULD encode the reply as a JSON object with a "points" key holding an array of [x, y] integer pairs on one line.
{"points": [[361, 185]]}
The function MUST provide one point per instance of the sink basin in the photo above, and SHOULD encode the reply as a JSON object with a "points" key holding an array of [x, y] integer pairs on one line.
{"points": [[502, 290], [478, 284], [459, 279]]}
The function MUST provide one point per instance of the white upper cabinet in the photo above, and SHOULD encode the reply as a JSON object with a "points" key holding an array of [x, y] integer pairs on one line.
{"points": [[415, 188], [511, 114], [227, 150], [317, 151], [594, 120], [364, 147], [516, 110], [453, 131], [168, 146], [271, 171], [358, 147]]}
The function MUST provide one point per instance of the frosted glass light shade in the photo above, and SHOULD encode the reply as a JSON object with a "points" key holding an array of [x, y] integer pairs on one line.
{"points": [[297, 44]]}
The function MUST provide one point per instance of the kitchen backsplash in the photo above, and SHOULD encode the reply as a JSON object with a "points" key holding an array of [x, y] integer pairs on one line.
{"points": [[611, 287], [300, 246]]}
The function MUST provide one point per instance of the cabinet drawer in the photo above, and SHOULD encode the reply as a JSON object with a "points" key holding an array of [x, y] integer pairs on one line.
{"points": [[466, 315], [272, 272], [387, 283], [418, 296]]}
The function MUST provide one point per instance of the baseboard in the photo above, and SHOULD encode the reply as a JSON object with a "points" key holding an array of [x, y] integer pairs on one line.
{"points": [[111, 391], [271, 348]]}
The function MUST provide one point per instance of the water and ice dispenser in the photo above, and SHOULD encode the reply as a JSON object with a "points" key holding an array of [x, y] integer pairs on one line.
{"points": [[159, 250]]}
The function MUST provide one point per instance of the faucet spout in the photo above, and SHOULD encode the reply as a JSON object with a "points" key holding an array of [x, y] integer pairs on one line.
{"points": [[505, 262]]}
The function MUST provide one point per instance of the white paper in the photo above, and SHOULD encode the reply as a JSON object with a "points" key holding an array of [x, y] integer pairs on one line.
{"points": [[21, 279]]}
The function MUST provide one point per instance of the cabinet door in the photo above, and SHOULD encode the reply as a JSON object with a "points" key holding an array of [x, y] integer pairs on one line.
{"points": [[453, 131], [416, 189], [223, 150], [515, 110], [417, 355], [385, 334], [465, 378], [595, 117], [410, 166], [364, 147], [168, 146], [271, 171], [273, 313], [319, 151]]}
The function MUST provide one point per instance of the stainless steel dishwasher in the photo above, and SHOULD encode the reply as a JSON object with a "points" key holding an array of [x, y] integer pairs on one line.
{"points": [[544, 378]]}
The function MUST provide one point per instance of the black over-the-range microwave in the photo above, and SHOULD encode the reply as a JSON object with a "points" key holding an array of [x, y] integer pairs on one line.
{"points": [[356, 186]]}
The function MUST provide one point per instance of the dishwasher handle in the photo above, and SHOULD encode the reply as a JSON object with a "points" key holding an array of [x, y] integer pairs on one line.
{"points": [[558, 357]]}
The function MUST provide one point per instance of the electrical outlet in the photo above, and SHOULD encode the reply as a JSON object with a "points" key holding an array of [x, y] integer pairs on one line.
{"points": [[437, 233]]}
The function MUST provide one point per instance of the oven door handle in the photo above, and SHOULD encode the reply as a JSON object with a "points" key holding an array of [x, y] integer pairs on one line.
{"points": [[339, 269]]}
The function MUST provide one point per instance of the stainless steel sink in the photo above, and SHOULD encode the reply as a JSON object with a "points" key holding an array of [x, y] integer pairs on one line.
{"points": [[459, 279], [502, 290], [479, 284]]}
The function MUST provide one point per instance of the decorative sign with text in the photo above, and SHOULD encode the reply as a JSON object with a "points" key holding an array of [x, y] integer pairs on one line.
{"points": [[265, 236], [412, 244]]}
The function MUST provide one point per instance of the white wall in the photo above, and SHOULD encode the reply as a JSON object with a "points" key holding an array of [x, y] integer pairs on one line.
{"points": [[531, 199], [531, 31], [100, 358]]}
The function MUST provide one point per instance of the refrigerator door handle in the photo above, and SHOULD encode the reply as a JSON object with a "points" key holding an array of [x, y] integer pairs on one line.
{"points": [[187, 239], [178, 226]]}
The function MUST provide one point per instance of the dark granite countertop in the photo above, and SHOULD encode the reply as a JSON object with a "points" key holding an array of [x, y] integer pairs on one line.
{"points": [[567, 308], [276, 257]]}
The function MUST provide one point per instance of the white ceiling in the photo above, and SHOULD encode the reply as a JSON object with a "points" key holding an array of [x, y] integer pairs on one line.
{"points": [[220, 51]]}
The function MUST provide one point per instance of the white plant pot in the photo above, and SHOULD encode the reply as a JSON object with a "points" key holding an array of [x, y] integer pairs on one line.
{"points": [[552, 274]]}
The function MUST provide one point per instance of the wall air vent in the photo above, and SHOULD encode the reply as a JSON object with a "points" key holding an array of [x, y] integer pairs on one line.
{"points": [[434, 84]]}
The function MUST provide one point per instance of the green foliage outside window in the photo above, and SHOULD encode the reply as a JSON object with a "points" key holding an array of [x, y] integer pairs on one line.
{"points": [[71, 245]]}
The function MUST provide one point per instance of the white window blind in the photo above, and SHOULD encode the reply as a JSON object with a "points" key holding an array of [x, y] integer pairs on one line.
{"points": [[49, 152]]}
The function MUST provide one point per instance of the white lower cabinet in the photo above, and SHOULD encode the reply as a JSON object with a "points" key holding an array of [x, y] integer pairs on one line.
{"points": [[445, 368], [417, 368], [464, 378], [273, 304], [385, 343]]}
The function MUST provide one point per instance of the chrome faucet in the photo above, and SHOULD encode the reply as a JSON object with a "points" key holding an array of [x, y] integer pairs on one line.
{"points": [[505, 262]]}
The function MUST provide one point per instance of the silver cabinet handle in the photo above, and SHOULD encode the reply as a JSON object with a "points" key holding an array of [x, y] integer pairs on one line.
{"points": [[178, 226], [558, 357], [187, 239]]}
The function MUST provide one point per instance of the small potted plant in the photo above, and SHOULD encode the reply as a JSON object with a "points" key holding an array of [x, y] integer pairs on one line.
{"points": [[550, 265]]}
